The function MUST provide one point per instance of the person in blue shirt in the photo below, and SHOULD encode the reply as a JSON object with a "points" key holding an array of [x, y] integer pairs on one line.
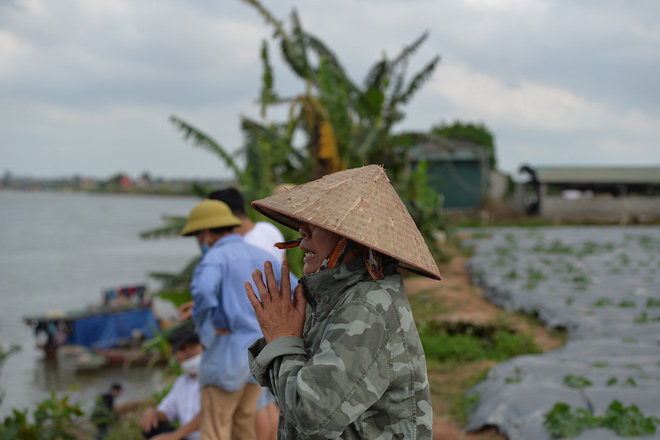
{"points": [[225, 321]]}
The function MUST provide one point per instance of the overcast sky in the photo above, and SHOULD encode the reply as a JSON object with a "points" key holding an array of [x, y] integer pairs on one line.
{"points": [[87, 86]]}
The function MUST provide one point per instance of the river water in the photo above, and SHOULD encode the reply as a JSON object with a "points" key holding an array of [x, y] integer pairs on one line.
{"points": [[58, 251]]}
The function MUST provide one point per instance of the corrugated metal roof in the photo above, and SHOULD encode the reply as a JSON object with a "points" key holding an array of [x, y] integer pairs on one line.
{"points": [[598, 174]]}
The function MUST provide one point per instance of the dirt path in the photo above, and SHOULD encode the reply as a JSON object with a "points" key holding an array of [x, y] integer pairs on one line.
{"points": [[456, 300]]}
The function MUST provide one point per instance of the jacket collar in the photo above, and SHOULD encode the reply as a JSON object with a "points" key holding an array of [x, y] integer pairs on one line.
{"points": [[323, 289]]}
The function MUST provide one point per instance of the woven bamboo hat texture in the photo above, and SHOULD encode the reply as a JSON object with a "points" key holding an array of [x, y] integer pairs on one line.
{"points": [[360, 204]]}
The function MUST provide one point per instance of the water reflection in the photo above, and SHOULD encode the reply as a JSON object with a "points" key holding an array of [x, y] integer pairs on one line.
{"points": [[62, 376]]}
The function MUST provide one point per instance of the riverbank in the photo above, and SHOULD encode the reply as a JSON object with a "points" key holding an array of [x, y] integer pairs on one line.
{"points": [[601, 284], [451, 302]]}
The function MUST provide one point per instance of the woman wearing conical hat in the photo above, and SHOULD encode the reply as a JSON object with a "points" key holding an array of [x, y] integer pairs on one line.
{"points": [[355, 368]]}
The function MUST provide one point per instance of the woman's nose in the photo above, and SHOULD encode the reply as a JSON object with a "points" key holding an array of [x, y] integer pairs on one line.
{"points": [[304, 230]]}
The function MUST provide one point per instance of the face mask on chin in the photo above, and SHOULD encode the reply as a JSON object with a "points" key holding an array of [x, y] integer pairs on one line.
{"points": [[191, 365], [204, 247]]}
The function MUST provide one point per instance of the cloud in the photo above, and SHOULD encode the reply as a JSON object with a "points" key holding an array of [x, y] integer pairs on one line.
{"points": [[90, 85], [543, 124], [531, 105], [12, 53], [573, 149], [47, 140], [87, 53]]}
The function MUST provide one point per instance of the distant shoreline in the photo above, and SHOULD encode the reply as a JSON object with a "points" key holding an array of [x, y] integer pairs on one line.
{"points": [[132, 192]]}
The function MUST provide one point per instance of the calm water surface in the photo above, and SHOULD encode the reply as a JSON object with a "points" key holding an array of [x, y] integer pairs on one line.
{"points": [[58, 251]]}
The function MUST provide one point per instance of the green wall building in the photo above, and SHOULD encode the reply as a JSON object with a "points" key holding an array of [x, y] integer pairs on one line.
{"points": [[457, 169]]}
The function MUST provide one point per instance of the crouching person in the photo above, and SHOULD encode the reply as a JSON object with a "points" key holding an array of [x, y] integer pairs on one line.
{"points": [[182, 402]]}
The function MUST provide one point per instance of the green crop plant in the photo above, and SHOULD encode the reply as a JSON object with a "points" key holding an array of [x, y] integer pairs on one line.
{"points": [[626, 303], [592, 248], [603, 302], [577, 382], [516, 376], [546, 261], [628, 421], [534, 277], [581, 280], [652, 302], [511, 240], [504, 251], [623, 259], [563, 421], [630, 382], [556, 247]]}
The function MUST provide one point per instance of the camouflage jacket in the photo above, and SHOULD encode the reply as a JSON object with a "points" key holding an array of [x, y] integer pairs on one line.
{"points": [[359, 371]]}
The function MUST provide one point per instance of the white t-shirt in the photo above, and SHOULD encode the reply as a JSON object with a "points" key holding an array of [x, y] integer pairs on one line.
{"points": [[182, 403], [264, 235]]}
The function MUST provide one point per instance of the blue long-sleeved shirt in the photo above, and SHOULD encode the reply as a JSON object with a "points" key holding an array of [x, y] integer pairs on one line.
{"points": [[218, 291]]}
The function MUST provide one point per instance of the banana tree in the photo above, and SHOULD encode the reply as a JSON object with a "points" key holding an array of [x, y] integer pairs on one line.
{"points": [[343, 124], [349, 125], [360, 118]]}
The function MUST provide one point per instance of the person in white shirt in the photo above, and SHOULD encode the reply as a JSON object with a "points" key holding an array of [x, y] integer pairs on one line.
{"points": [[182, 403]]}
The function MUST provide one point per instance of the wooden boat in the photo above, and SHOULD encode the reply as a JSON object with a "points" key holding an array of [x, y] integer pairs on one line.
{"points": [[112, 331]]}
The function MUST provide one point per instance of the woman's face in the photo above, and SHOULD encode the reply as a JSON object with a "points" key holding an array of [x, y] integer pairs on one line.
{"points": [[317, 244]]}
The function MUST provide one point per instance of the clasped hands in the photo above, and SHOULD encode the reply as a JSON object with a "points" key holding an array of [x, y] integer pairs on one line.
{"points": [[277, 314]]}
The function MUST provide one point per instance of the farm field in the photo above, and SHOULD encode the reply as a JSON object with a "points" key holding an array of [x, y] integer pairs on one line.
{"points": [[602, 285]]}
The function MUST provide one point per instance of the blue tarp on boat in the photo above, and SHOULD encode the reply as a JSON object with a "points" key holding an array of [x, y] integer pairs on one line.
{"points": [[106, 331]]}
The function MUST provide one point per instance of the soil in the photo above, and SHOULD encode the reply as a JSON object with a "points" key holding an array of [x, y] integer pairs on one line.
{"points": [[462, 302]]}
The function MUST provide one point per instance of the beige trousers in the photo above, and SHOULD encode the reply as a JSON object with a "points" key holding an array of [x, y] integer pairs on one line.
{"points": [[228, 415]]}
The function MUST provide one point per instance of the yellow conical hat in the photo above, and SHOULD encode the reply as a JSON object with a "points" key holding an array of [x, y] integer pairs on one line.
{"points": [[360, 204]]}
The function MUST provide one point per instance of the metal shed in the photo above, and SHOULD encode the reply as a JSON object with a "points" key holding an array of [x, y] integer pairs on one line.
{"points": [[600, 193], [459, 170]]}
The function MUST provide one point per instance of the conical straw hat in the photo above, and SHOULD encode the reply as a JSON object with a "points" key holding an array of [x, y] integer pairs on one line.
{"points": [[359, 204]]}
